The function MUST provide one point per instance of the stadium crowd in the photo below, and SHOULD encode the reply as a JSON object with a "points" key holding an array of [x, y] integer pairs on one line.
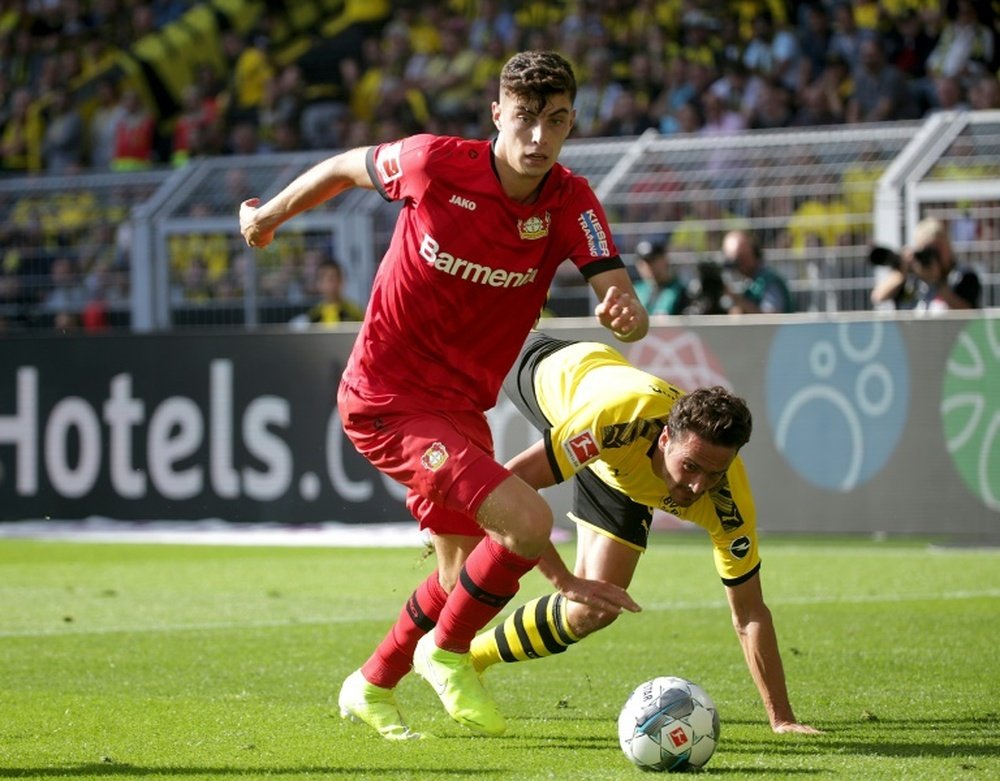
{"points": [[676, 66], [122, 85]]}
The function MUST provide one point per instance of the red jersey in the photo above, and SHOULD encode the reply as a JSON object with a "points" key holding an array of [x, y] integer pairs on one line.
{"points": [[468, 269]]}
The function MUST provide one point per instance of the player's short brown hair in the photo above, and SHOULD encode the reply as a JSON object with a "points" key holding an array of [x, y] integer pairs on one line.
{"points": [[714, 414], [535, 76]]}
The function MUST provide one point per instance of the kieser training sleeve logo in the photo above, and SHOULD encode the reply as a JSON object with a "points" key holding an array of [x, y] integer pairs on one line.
{"points": [[597, 239]]}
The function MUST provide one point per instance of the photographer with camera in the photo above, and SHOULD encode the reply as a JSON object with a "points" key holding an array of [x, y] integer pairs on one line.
{"points": [[763, 290], [924, 276], [707, 290], [659, 289]]}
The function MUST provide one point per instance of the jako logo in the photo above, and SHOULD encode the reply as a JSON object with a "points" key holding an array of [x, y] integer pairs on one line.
{"points": [[430, 251], [465, 203]]}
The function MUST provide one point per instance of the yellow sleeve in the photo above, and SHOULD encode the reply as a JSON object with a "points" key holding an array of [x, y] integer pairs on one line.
{"points": [[575, 440], [729, 516]]}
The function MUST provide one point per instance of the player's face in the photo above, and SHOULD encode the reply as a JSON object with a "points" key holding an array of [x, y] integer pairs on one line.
{"points": [[692, 466], [530, 140]]}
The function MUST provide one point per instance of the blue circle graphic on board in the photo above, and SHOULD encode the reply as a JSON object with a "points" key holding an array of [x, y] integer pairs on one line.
{"points": [[837, 398]]}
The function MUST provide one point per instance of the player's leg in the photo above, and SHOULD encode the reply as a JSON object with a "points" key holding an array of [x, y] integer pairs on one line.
{"points": [[518, 523], [605, 558], [550, 624], [367, 694], [445, 458]]}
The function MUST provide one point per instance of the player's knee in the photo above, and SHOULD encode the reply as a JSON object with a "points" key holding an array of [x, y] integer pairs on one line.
{"points": [[531, 528], [585, 620], [519, 517]]}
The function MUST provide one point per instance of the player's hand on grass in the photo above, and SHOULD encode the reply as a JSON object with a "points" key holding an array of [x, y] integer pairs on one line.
{"points": [[254, 235], [598, 594], [785, 727]]}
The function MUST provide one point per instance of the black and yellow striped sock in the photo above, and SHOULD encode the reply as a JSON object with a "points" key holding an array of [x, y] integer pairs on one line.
{"points": [[536, 629]]}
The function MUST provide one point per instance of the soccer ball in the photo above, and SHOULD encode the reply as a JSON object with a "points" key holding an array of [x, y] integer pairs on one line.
{"points": [[668, 724]]}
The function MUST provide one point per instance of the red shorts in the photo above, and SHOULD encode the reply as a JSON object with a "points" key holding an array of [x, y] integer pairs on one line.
{"points": [[443, 456]]}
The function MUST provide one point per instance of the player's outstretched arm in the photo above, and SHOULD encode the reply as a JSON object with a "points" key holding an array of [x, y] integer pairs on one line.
{"points": [[323, 181], [598, 594], [532, 465], [755, 629], [619, 310]]}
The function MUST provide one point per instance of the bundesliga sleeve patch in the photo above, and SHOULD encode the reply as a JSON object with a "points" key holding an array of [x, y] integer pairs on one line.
{"points": [[388, 163], [581, 448]]}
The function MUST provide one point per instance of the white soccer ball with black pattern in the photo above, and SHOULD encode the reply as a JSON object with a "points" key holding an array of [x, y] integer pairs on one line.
{"points": [[669, 724]]}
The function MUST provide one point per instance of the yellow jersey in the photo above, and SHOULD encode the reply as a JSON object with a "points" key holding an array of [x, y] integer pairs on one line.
{"points": [[605, 417]]}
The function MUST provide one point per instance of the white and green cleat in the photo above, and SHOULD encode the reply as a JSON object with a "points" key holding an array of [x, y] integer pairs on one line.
{"points": [[375, 706], [458, 686]]}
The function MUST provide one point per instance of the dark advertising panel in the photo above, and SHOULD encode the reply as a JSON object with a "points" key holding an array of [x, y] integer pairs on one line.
{"points": [[239, 427]]}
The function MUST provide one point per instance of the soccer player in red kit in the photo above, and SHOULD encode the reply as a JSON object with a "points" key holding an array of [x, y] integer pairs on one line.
{"points": [[483, 228]]}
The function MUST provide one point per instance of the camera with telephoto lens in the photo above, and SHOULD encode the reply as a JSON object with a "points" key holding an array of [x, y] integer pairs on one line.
{"points": [[706, 291], [926, 256], [883, 256]]}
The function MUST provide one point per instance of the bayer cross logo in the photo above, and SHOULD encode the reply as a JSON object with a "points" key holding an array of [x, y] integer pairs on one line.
{"points": [[434, 457]]}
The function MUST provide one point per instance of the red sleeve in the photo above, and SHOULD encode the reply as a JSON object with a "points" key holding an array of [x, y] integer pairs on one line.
{"points": [[593, 247], [397, 169]]}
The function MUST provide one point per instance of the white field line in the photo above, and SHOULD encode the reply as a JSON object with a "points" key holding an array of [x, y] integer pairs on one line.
{"points": [[213, 532], [827, 599]]}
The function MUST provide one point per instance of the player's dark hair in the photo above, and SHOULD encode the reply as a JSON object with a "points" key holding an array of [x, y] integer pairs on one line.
{"points": [[535, 76], [714, 414]]}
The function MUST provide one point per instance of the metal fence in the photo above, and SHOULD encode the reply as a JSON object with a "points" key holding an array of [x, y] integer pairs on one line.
{"points": [[197, 271], [161, 249], [808, 197], [950, 171], [66, 249]]}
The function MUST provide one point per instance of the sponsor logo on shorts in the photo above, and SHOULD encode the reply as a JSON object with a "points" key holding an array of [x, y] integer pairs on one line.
{"points": [[597, 239], [582, 448], [740, 547], [534, 227], [435, 456], [388, 164]]}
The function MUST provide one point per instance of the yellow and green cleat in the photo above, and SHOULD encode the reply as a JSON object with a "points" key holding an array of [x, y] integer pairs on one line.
{"points": [[362, 701], [457, 684]]}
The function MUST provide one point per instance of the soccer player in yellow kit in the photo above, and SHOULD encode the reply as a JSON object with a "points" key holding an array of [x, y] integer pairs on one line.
{"points": [[633, 442]]}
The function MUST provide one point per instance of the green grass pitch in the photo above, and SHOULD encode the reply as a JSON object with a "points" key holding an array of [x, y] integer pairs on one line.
{"points": [[176, 662]]}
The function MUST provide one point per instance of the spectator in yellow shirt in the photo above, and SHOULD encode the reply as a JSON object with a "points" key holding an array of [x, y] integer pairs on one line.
{"points": [[333, 307]]}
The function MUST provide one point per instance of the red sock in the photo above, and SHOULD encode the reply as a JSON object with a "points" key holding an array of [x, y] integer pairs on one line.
{"points": [[394, 655], [488, 581]]}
